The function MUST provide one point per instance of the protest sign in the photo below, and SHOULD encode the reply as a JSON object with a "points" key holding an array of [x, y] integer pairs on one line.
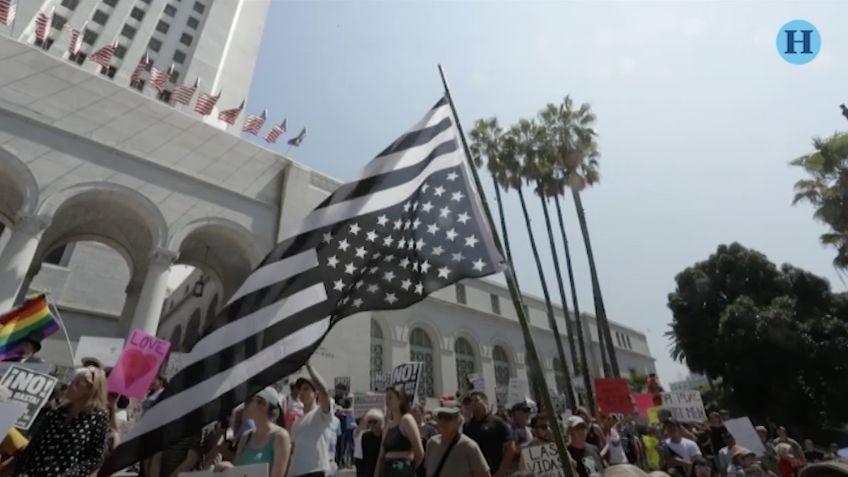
{"points": [[31, 388], [106, 350], [138, 365], [254, 470], [685, 406], [175, 363], [478, 382], [517, 392], [380, 382], [613, 396], [643, 402], [342, 380], [542, 461], [364, 402], [406, 375], [10, 414], [746, 436]]}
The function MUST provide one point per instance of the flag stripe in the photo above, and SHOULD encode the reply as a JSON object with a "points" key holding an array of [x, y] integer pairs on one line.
{"points": [[374, 202], [284, 317], [419, 137], [408, 156], [187, 400], [439, 110], [41, 22], [280, 270], [391, 179]]}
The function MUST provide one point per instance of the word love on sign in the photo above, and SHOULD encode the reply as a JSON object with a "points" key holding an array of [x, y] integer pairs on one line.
{"points": [[138, 365]]}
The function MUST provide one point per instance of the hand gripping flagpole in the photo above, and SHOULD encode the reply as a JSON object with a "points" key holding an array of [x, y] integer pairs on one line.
{"points": [[512, 284]]}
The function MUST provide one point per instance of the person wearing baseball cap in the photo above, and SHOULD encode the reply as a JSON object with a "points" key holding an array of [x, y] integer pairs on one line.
{"points": [[450, 453], [586, 456], [268, 443], [492, 434]]}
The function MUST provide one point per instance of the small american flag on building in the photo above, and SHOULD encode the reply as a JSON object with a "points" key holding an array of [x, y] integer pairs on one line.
{"points": [[75, 41], [229, 115], [206, 103], [159, 78], [184, 93], [254, 123], [42, 22], [139, 70], [275, 133], [103, 56], [7, 11]]}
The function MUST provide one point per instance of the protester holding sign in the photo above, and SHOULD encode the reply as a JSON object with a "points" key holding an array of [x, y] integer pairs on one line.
{"points": [[311, 456], [71, 440], [401, 451]]}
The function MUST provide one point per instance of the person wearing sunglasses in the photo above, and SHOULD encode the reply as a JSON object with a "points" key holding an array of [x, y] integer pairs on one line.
{"points": [[369, 435], [450, 453], [71, 439]]}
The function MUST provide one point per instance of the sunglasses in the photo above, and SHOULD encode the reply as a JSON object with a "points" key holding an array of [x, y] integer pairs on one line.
{"points": [[372, 422], [446, 417]]}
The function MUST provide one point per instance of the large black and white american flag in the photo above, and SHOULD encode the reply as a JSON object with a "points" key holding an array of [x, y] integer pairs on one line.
{"points": [[410, 225]]}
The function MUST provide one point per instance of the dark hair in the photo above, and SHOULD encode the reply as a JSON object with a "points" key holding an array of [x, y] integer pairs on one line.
{"points": [[700, 460], [402, 398]]}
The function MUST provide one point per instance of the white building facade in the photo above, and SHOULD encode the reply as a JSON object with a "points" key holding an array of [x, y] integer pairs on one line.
{"points": [[103, 190], [215, 42]]}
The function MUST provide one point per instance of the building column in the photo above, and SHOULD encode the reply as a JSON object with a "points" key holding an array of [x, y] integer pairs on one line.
{"points": [[446, 374], [17, 255], [487, 368], [153, 292]]}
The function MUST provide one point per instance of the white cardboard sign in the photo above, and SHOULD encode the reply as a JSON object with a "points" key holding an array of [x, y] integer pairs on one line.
{"points": [[685, 406], [746, 436], [107, 350]]}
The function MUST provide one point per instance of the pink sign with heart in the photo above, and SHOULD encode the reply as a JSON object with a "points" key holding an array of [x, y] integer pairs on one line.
{"points": [[138, 365]]}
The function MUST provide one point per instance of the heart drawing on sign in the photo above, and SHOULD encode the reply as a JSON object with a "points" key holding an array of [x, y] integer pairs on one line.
{"points": [[136, 364]]}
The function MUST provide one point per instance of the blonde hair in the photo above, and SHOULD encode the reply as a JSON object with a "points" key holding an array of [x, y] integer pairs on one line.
{"points": [[784, 449], [97, 398]]}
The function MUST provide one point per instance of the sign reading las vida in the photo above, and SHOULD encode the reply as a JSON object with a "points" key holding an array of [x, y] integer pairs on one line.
{"points": [[798, 42]]}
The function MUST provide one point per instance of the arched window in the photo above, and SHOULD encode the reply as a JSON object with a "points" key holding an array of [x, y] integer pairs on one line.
{"points": [[464, 361], [192, 333], [421, 349], [211, 314], [376, 350], [559, 376], [502, 366], [177, 335]]}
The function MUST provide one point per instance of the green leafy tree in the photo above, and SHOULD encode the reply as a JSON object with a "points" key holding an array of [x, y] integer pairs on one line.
{"points": [[771, 335], [827, 190]]}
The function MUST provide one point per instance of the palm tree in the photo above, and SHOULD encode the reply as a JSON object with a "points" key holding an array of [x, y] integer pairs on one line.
{"points": [[523, 142], [827, 191], [570, 139]]}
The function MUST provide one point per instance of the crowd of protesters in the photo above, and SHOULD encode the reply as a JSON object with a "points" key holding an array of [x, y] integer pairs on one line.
{"points": [[313, 432]]}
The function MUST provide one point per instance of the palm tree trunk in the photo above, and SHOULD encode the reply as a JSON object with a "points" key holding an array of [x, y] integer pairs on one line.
{"points": [[563, 301], [569, 388], [603, 324], [578, 320]]}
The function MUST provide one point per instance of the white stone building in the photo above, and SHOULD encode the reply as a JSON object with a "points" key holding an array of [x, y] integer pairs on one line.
{"points": [[104, 189], [213, 41]]}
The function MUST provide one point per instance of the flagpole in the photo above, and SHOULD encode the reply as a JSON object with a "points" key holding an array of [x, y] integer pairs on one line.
{"points": [[512, 284], [64, 331]]}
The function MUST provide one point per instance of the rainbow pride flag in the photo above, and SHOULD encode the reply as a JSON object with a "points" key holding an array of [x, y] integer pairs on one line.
{"points": [[31, 317]]}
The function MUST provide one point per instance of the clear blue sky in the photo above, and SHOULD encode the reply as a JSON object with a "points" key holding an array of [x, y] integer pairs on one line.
{"points": [[698, 116]]}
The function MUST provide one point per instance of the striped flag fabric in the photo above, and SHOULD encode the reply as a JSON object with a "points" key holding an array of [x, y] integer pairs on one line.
{"points": [[275, 133], [229, 115], [159, 79], [103, 56], [31, 317], [410, 225], [7, 11], [42, 24], [295, 141], [75, 40], [206, 103], [139, 70], [184, 93], [253, 123]]}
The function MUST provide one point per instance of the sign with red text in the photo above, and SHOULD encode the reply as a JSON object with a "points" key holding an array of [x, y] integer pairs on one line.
{"points": [[138, 364], [613, 395]]}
